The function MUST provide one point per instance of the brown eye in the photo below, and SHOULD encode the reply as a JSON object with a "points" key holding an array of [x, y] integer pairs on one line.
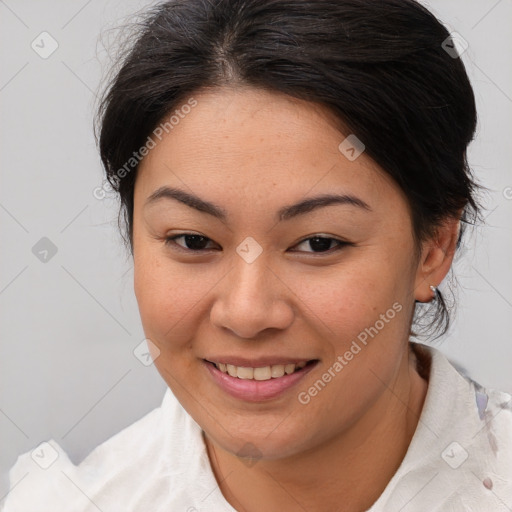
{"points": [[198, 243], [321, 244], [193, 242]]}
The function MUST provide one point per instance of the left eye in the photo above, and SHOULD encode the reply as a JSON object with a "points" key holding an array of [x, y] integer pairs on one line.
{"points": [[196, 243], [322, 243]]}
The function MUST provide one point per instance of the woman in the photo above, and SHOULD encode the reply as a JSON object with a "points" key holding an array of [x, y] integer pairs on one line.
{"points": [[294, 186]]}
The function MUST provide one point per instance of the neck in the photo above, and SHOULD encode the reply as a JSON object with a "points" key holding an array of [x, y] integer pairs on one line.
{"points": [[352, 470]]}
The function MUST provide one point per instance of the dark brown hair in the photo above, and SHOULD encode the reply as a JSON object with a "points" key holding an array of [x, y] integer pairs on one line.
{"points": [[380, 66]]}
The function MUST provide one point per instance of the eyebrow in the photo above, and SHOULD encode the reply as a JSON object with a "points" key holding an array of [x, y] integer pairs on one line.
{"points": [[285, 213]]}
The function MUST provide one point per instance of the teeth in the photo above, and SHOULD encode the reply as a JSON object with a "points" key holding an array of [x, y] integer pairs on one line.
{"points": [[262, 373], [277, 370], [245, 373], [289, 368]]}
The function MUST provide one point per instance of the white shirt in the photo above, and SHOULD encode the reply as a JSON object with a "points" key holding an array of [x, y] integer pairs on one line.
{"points": [[459, 460]]}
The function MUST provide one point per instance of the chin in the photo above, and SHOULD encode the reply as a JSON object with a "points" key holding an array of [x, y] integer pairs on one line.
{"points": [[262, 440]]}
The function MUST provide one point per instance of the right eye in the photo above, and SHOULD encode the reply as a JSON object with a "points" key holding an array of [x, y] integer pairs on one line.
{"points": [[193, 242]]}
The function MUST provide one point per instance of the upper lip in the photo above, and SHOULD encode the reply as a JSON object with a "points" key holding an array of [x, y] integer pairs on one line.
{"points": [[257, 362]]}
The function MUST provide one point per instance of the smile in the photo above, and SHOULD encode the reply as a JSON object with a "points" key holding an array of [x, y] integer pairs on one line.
{"points": [[261, 373], [258, 383]]}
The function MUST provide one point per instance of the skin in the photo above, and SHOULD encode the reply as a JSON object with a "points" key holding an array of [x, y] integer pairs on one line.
{"points": [[252, 152]]}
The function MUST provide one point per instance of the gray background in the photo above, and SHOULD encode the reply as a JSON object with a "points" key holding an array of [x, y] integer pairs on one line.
{"points": [[69, 325]]}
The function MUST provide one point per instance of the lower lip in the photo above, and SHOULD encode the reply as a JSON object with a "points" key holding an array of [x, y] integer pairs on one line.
{"points": [[257, 390]]}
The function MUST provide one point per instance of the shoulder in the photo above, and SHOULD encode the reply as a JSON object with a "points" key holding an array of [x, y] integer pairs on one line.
{"points": [[475, 418], [158, 463], [46, 479], [460, 457]]}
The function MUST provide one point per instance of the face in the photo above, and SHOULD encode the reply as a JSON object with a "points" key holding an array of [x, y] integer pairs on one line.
{"points": [[237, 276]]}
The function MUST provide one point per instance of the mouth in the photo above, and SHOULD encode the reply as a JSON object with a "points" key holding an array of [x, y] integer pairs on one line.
{"points": [[261, 373], [258, 383]]}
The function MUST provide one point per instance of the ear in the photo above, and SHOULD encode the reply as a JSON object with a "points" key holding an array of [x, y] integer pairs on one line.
{"points": [[436, 259]]}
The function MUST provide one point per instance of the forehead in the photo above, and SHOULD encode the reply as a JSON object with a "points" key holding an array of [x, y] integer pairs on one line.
{"points": [[244, 121], [250, 142]]}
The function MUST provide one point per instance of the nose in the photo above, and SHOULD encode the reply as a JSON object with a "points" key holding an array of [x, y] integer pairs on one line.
{"points": [[251, 299]]}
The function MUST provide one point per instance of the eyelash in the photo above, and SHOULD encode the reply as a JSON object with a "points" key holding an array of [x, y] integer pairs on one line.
{"points": [[170, 241]]}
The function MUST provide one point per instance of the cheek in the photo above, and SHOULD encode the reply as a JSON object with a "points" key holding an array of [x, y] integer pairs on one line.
{"points": [[362, 316], [170, 298], [163, 294], [348, 299], [362, 321]]}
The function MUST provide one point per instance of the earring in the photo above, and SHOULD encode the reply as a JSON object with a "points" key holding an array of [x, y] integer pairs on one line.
{"points": [[434, 291]]}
